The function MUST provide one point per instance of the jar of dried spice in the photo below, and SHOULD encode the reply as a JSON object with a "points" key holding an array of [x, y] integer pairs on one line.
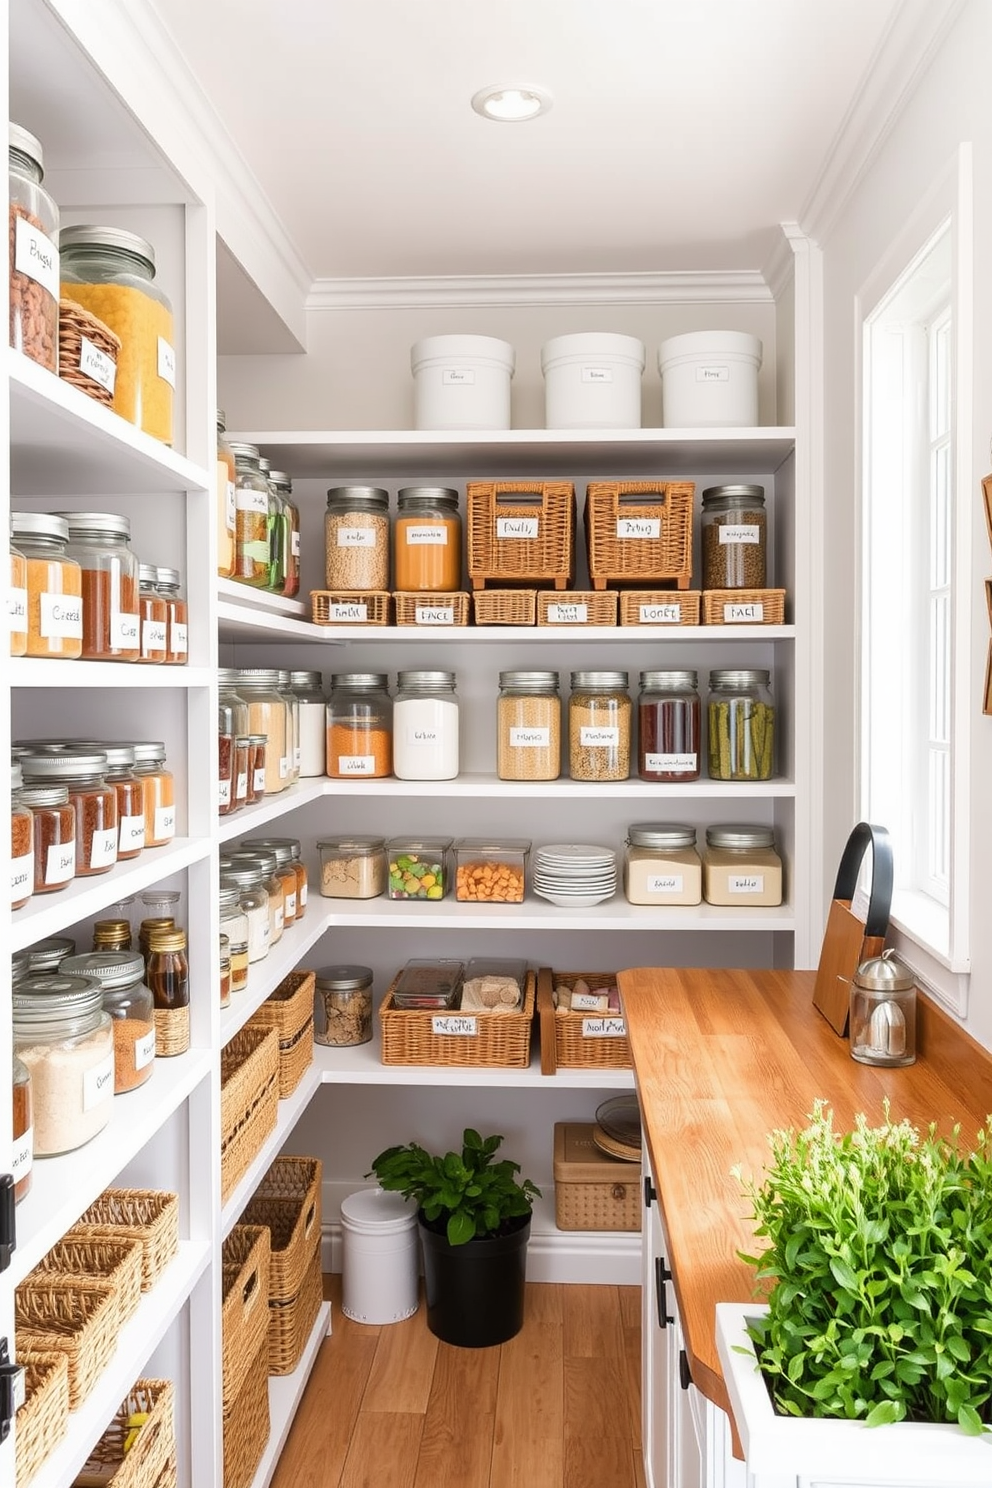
{"points": [[342, 1005], [17, 602], [159, 787], [34, 254], [64, 1038], [359, 726], [225, 498], [286, 852], [427, 540], [242, 757], [273, 884], [232, 723], [258, 751], [268, 714], [224, 970], [293, 737], [167, 975], [528, 726], [234, 924], [21, 843], [251, 531], [23, 1134], [130, 799], [120, 977], [54, 583], [669, 744], [356, 538], [100, 544], [599, 726], [154, 615], [84, 774], [291, 516], [734, 540], [741, 725], [254, 900], [177, 617]]}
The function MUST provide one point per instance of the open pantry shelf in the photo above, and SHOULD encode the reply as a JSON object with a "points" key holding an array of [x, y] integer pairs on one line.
{"points": [[285, 1393]]}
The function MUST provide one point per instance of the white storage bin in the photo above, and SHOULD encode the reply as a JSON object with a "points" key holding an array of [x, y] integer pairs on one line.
{"points": [[381, 1259], [461, 382], [592, 380], [709, 379]]}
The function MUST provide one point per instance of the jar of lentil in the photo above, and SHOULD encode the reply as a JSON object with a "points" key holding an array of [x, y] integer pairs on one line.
{"points": [[34, 255], [120, 977], [154, 615], [425, 726], [64, 1038], [291, 515], [268, 714], [226, 500], [293, 738], [167, 975], [84, 774], [668, 727], [741, 867], [309, 690], [274, 886], [427, 540], [741, 725], [356, 538], [22, 1130], [234, 924], [251, 531], [599, 726], [528, 726], [100, 543], [177, 617], [17, 602], [130, 799], [111, 272], [661, 864], [112, 935], [159, 787], [254, 900], [45, 957], [286, 851], [734, 538], [258, 751], [359, 726], [54, 583], [21, 843], [342, 1006]]}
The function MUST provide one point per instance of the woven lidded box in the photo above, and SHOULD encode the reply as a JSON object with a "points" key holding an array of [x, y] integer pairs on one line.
{"points": [[593, 1191]]}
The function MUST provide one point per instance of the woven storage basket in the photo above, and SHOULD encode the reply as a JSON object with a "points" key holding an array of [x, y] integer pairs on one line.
{"points": [[98, 1258], [639, 532], [287, 1202], [152, 1448], [576, 608], [547, 508], [289, 1010], [168, 1477], [415, 1036], [43, 1419], [592, 1190], [743, 606], [290, 1322], [350, 607], [504, 606], [244, 1313], [135, 1214], [74, 323], [249, 1098], [246, 1424], [431, 610], [73, 1318], [579, 1040], [659, 606]]}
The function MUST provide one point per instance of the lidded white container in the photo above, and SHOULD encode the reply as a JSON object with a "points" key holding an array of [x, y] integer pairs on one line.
{"points": [[592, 380], [709, 380], [461, 382]]}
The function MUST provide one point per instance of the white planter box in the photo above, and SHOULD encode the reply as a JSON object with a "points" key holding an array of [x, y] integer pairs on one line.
{"points": [[789, 1452]]}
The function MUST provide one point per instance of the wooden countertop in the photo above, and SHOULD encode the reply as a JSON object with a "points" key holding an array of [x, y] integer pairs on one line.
{"points": [[722, 1058]]}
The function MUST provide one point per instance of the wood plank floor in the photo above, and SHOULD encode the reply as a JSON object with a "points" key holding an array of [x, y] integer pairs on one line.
{"points": [[556, 1407]]}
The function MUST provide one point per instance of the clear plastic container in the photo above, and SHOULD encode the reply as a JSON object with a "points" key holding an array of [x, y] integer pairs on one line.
{"points": [[21, 843], [120, 976], [54, 585], [599, 726], [252, 504], [528, 726], [84, 774], [356, 539], [154, 615], [34, 254], [359, 726], [427, 541], [425, 726], [342, 1005], [429, 983], [490, 870], [352, 867], [741, 867], [661, 864], [225, 498], [741, 725], [65, 1040], [418, 867], [100, 542], [669, 738], [493, 984]]}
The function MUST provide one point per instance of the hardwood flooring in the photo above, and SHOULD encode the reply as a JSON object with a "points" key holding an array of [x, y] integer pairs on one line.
{"points": [[556, 1407]]}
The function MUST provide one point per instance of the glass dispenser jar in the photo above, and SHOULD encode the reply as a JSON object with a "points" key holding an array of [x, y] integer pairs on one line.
{"points": [[661, 864], [100, 542], [359, 729], [734, 537], [342, 1005], [22, 1132], [425, 726], [64, 1038], [54, 585], [883, 1012], [427, 541], [599, 726], [268, 714], [17, 602], [21, 843], [740, 725], [741, 867], [154, 615], [308, 689], [84, 774], [34, 254], [356, 539], [291, 540], [120, 975], [669, 743], [159, 787], [225, 499], [251, 530], [528, 726], [177, 617]]}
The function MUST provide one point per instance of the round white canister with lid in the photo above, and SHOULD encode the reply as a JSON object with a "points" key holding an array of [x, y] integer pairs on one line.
{"points": [[381, 1257], [592, 380], [461, 382], [709, 380]]}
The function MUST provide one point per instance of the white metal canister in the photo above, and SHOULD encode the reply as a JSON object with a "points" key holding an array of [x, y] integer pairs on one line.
{"points": [[380, 1260]]}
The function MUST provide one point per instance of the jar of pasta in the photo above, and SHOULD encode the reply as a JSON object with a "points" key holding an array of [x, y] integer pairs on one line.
{"points": [[528, 726], [84, 774], [268, 715], [54, 585], [154, 615], [251, 525], [177, 616], [356, 538], [225, 494], [159, 789], [100, 542], [599, 726], [34, 254], [17, 602], [120, 975], [427, 540], [359, 726]]}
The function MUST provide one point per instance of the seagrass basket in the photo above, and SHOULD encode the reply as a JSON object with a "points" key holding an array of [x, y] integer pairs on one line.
{"points": [[88, 352], [136, 1459], [287, 1202], [289, 1010], [249, 1100], [141, 1214], [639, 532], [71, 1317], [577, 607], [521, 532], [419, 1036], [246, 1424], [504, 606], [659, 606], [350, 607], [431, 610], [43, 1419], [291, 1321], [97, 1258], [743, 606], [244, 1313], [576, 1040]]}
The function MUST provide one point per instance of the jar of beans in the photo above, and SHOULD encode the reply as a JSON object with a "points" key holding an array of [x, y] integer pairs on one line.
{"points": [[528, 726], [734, 537], [599, 726], [668, 727], [34, 254], [356, 538]]}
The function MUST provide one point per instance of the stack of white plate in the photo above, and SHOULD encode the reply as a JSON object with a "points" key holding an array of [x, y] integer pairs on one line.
{"points": [[575, 874]]}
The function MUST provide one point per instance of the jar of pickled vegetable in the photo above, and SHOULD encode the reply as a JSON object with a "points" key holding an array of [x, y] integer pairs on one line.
{"points": [[741, 725], [251, 527]]}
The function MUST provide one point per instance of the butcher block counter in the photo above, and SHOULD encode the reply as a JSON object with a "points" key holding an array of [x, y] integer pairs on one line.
{"points": [[722, 1058]]}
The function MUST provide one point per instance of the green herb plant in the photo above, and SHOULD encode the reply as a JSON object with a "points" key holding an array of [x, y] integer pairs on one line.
{"points": [[878, 1273], [461, 1194]]}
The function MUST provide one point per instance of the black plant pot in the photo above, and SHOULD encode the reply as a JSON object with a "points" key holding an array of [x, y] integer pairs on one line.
{"points": [[475, 1292]]}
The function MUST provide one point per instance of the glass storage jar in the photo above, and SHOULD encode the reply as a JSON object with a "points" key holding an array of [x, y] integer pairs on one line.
{"points": [[120, 975], [278, 525], [232, 724], [130, 799], [734, 537], [352, 866], [293, 739], [258, 751], [427, 541], [224, 970], [167, 975], [291, 540], [234, 924], [112, 935], [528, 726], [177, 617], [54, 584], [254, 900], [111, 273], [100, 542], [54, 819], [22, 1133], [17, 602], [669, 744], [154, 614], [342, 1005], [425, 726], [273, 884], [356, 539], [661, 864], [281, 848], [599, 726], [64, 1038], [242, 756], [740, 725], [268, 714], [252, 502], [418, 867], [21, 843], [84, 774], [225, 497], [359, 728], [159, 787], [308, 688], [741, 866], [45, 957], [34, 254]]}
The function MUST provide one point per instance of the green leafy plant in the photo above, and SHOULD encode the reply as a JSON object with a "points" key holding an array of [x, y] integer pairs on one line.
{"points": [[878, 1273], [461, 1194]]}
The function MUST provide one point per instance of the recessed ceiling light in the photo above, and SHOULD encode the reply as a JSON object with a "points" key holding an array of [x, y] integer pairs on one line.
{"points": [[511, 104]]}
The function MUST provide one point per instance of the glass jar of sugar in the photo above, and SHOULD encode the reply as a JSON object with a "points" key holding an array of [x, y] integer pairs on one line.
{"points": [[741, 867], [661, 864], [425, 726], [65, 1039]]}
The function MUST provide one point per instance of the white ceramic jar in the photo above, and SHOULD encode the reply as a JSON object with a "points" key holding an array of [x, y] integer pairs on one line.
{"points": [[461, 382], [709, 380], [592, 380]]}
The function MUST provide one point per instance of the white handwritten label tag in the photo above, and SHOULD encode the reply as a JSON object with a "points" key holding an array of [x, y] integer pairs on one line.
{"points": [[604, 1028], [456, 1026]]}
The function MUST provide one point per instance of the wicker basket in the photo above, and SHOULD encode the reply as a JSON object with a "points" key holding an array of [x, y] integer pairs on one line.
{"points": [[151, 1449], [577, 607], [415, 1036], [578, 1040], [249, 1100], [287, 1202], [97, 1258], [350, 607], [639, 531], [244, 1315], [246, 1424], [543, 510], [592, 1190], [743, 606], [659, 606], [43, 1419], [135, 1214], [290, 1322], [431, 610], [75, 323], [73, 1318], [504, 606], [289, 1010], [169, 1476]]}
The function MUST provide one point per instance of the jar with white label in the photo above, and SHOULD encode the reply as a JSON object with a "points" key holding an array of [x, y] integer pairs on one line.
{"points": [[84, 774], [100, 542], [740, 724], [17, 602], [283, 487], [177, 616], [308, 688], [741, 867], [268, 714], [280, 849], [273, 884], [599, 726], [22, 1130], [661, 864], [54, 585], [734, 537], [64, 1038], [359, 726], [54, 836], [427, 541], [254, 900], [234, 925], [668, 727], [130, 800], [293, 716], [34, 254], [356, 539], [528, 726], [425, 726], [154, 615], [159, 787], [120, 977], [251, 518], [21, 843]]}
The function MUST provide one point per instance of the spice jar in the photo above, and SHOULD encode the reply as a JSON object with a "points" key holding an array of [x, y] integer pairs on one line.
{"points": [[293, 737], [94, 801], [273, 884], [54, 583], [254, 900], [359, 726], [232, 724], [154, 614], [130, 799], [342, 1005], [258, 751], [224, 970], [288, 851], [883, 1012], [234, 924], [54, 822], [120, 977], [177, 617], [668, 727], [291, 516], [741, 866], [308, 690], [425, 726], [112, 935], [242, 756], [100, 544], [34, 255], [225, 497], [167, 975], [21, 843], [64, 1038], [599, 726], [356, 538], [23, 1152], [740, 725], [159, 902], [251, 532], [159, 789], [427, 540], [111, 273], [528, 726], [45, 957], [352, 866], [268, 714], [661, 864], [734, 540], [148, 927], [282, 849], [17, 602]]}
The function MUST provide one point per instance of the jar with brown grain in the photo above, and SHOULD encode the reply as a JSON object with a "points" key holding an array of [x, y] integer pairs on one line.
{"points": [[356, 539], [22, 1132], [120, 976], [54, 585], [177, 617], [34, 254], [21, 843], [167, 975], [17, 602], [528, 726], [84, 774], [734, 537], [251, 532], [154, 615], [599, 713], [225, 498], [159, 790], [100, 544], [427, 540]]}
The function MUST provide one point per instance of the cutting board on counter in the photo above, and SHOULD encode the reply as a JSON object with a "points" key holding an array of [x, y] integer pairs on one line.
{"points": [[856, 923]]}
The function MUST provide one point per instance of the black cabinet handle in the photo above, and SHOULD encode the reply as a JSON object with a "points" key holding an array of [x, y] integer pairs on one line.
{"points": [[650, 1192], [685, 1374], [661, 1275], [8, 1228]]}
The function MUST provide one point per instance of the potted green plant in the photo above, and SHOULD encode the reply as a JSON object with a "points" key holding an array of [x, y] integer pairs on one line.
{"points": [[474, 1219], [877, 1280]]}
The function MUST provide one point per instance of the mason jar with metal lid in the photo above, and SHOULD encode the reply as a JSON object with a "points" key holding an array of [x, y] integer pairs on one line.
{"points": [[84, 774], [252, 502], [359, 726], [234, 924], [425, 726], [741, 867], [54, 584], [669, 742], [254, 900], [112, 934], [120, 976], [17, 602], [528, 726], [225, 498], [154, 616], [740, 725], [278, 523], [46, 956], [293, 741], [308, 688], [54, 836], [159, 790], [21, 842], [111, 272], [661, 864], [734, 537], [342, 1005], [64, 1037], [130, 799], [356, 539], [274, 885], [290, 868], [268, 714], [883, 1012], [22, 1130], [34, 254], [232, 724], [599, 726], [100, 542], [427, 540], [177, 616], [291, 541]]}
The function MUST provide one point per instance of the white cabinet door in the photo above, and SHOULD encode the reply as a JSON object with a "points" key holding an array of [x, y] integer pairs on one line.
{"points": [[657, 1301]]}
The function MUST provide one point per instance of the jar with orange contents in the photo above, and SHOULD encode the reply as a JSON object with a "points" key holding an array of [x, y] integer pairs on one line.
{"points": [[427, 541], [154, 615], [17, 602], [54, 585], [359, 726], [159, 789], [101, 544], [177, 617], [83, 772]]}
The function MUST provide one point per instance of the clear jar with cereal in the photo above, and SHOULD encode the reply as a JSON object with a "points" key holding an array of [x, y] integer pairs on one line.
{"points": [[342, 1005]]}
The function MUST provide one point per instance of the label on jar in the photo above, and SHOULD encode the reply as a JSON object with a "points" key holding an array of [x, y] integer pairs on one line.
{"points": [[103, 848], [60, 863], [230, 502], [98, 1083], [241, 787], [179, 634], [123, 631], [460, 1026], [530, 738], [96, 364], [356, 537], [303, 895], [417, 738], [132, 833], [36, 256], [665, 883], [672, 764], [17, 611], [747, 532], [457, 376], [291, 906], [604, 1028], [61, 617], [223, 792], [426, 535], [284, 767], [294, 542], [279, 919], [602, 738], [518, 527], [297, 756], [638, 527], [568, 614], [256, 502], [596, 374], [22, 1155], [144, 1049], [354, 612], [356, 764], [166, 362], [21, 870], [152, 637], [741, 614], [258, 779], [435, 615], [713, 374], [746, 883], [165, 822], [660, 614]]}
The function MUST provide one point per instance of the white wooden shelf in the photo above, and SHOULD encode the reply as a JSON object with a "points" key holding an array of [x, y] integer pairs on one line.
{"points": [[363, 1065], [264, 976], [30, 671], [285, 1393], [245, 823], [634, 791], [540, 914]]}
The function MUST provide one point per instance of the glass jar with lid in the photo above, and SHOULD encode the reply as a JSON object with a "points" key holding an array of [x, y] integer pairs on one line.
{"points": [[232, 724], [64, 1038], [528, 726], [17, 602], [120, 975], [278, 524], [154, 613], [112, 934], [741, 867], [159, 788], [291, 516], [599, 726], [268, 714], [225, 500], [669, 743], [254, 900], [342, 1005], [111, 272], [23, 1154], [34, 254], [288, 869], [177, 616], [661, 864], [54, 584], [224, 970], [21, 843], [54, 825], [352, 866], [84, 774], [273, 883], [242, 762], [251, 531], [293, 740], [356, 539], [734, 537], [130, 799], [425, 726], [234, 924], [258, 754], [883, 1012], [100, 542], [167, 975], [427, 541], [45, 957], [308, 688], [359, 732], [740, 725]]}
